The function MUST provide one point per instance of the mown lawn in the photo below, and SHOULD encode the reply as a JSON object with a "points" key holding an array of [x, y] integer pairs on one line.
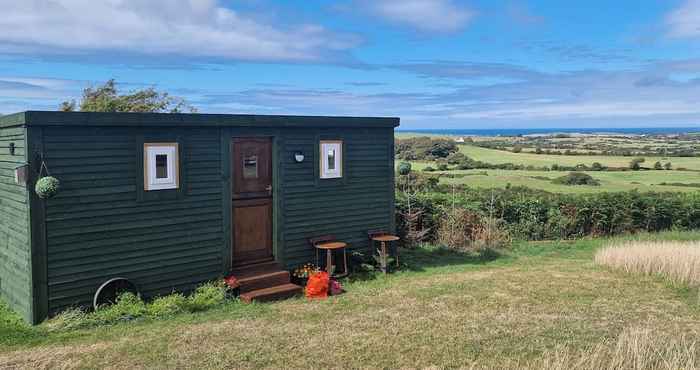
{"points": [[445, 309]]}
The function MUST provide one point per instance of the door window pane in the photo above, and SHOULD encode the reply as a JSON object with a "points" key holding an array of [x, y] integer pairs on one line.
{"points": [[161, 166], [250, 167]]}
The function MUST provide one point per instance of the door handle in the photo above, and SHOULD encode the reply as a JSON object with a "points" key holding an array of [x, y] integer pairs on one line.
{"points": [[269, 189]]}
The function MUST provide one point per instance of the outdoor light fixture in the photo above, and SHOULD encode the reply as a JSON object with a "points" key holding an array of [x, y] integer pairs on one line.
{"points": [[299, 157], [12, 148]]}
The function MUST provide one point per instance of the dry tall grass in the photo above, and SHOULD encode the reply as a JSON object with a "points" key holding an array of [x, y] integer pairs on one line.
{"points": [[634, 349], [676, 261]]}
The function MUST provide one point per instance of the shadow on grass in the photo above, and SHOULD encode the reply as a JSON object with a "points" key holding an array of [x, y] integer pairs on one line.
{"points": [[425, 257], [422, 258]]}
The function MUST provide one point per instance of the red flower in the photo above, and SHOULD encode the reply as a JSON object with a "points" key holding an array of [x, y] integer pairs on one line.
{"points": [[232, 282]]}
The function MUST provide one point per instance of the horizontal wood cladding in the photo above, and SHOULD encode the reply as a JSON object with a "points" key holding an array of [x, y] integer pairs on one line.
{"points": [[361, 201], [15, 253], [98, 227], [101, 226]]}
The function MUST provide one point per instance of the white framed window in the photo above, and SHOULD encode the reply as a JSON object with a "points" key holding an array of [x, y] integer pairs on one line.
{"points": [[161, 169], [331, 163]]}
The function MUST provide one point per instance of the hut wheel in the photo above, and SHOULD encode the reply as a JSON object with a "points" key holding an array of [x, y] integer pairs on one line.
{"points": [[108, 292]]}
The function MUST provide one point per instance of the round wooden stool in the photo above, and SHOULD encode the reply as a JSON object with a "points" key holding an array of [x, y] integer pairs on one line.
{"points": [[329, 247], [383, 240]]}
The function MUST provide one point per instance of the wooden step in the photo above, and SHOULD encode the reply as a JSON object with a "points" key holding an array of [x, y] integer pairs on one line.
{"points": [[242, 272], [270, 294], [263, 280]]}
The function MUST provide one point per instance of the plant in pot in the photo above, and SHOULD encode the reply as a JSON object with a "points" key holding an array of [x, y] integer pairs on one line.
{"points": [[300, 275]]}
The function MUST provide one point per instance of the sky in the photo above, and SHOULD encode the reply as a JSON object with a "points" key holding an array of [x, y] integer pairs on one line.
{"points": [[434, 63]]}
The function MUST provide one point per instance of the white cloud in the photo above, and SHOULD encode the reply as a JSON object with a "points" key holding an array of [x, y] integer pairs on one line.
{"points": [[190, 28], [425, 15], [684, 22]]}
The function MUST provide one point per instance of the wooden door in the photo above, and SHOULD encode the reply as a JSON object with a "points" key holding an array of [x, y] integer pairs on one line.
{"points": [[251, 168]]}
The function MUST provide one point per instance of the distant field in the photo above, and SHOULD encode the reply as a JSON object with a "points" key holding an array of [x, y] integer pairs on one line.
{"points": [[609, 181], [500, 156]]}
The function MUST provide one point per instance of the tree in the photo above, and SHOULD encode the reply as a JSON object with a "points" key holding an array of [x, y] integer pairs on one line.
{"points": [[635, 164], [668, 166], [658, 166], [107, 98]]}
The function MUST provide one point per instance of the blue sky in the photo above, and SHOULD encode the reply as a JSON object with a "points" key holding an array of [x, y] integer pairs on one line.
{"points": [[434, 63]]}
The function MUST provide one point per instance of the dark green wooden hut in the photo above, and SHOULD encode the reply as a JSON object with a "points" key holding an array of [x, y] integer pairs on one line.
{"points": [[169, 201]]}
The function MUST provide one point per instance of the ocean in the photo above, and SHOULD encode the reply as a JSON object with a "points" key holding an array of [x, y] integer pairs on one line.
{"points": [[534, 131]]}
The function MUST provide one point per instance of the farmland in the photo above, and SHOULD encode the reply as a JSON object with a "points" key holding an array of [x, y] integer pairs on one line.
{"points": [[498, 162]]}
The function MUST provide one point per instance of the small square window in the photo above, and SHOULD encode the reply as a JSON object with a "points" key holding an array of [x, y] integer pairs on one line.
{"points": [[160, 166], [331, 163], [250, 167]]}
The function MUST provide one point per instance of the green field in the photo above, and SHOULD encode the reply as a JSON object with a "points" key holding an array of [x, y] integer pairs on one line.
{"points": [[540, 160], [537, 303], [609, 181]]}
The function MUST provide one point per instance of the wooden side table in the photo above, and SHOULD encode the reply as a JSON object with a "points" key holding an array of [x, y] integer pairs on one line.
{"points": [[329, 247], [383, 240]]}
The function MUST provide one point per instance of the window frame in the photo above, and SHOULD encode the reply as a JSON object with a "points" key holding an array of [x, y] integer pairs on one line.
{"points": [[150, 153], [324, 172]]}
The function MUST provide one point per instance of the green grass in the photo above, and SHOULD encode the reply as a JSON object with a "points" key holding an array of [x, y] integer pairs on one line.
{"points": [[540, 160], [609, 181], [444, 310]]}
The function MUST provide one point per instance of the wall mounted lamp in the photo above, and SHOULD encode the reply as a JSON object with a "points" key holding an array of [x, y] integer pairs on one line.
{"points": [[299, 157]]}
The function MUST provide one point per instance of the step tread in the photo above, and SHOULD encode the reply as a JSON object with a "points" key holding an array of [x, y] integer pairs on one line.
{"points": [[281, 291], [256, 269], [262, 275]]}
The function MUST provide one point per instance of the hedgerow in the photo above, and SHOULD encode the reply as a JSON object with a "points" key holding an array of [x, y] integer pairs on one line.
{"points": [[538, 215]]}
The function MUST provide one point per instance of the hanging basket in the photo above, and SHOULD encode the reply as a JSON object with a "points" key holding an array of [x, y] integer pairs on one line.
{"points": [[46, 187]]}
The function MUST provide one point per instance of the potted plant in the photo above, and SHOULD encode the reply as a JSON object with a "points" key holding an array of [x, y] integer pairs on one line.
{"points": [[300, 275]]}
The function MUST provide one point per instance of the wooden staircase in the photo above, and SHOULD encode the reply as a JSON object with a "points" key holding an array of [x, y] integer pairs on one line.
{"points": [[263, 282]]}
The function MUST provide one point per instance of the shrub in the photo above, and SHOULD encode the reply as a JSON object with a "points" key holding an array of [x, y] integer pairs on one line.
{"points": [[457, 229], [576, 178], [635, 164], [429, 169], [404, 168], [421, 148], [129, 306], [168, 305], [534, 214], [207, 296]]}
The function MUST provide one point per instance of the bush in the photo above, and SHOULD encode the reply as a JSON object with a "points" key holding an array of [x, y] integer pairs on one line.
{"points": [[636, 164], [129, 306], [404, 168], [429, 169], [168, 305], [207, 296], [421, 148], [535, 215], [576, 178]]}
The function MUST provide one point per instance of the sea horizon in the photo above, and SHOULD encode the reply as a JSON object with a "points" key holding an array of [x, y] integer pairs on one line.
{"points": [[555, 130]]}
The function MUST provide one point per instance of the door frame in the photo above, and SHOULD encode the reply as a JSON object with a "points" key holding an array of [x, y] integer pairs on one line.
{"points": [[227, 138]]}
